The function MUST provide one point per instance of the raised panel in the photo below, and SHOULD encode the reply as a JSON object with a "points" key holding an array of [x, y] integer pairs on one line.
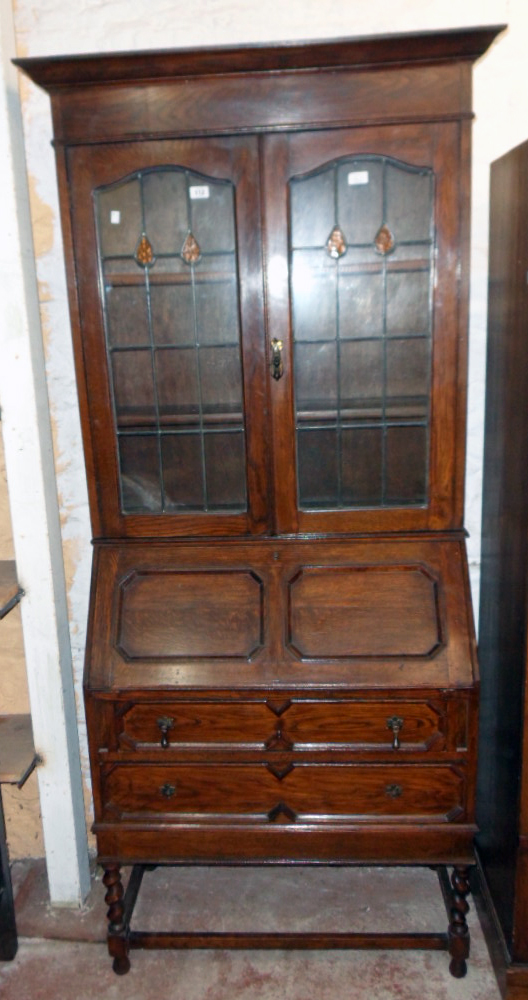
{"points": [[364, 611], [365, 724], [189, 614], [195, 723]]}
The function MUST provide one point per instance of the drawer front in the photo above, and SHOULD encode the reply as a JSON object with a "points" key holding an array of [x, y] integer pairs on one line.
{"points": [[289, 793], [285, 725]]}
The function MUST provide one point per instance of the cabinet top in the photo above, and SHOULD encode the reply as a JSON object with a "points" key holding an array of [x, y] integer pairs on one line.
{"points": [[51, 72]]}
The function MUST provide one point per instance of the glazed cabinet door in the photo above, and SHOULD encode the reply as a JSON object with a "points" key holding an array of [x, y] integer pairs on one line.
{"points": [[168, 262], [282, 309], [362, 231]]}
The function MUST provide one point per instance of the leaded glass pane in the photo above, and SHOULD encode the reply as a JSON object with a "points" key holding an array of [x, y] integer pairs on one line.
{"points": [[318, 465], [167, 257], [134, 397], [224, 459], [360, 377], [361, 305], [407, 309], [172, 315], [177, 384], [316, 381], [362, 250], [182, 464], [127, 316], [360, 198], [408, 201], [139, 470], [312, 228], [314, 299], [405, 468], [165, 208], [362, 453]]}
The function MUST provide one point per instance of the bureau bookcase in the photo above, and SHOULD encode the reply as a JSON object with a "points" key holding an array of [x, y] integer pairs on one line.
{"points": [[267, 253]]}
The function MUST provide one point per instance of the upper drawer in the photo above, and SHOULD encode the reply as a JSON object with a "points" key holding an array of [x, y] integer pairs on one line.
{"points": [[286, 725]]}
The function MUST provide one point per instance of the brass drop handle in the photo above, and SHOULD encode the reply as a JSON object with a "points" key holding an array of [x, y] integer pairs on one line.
{"points": [[165, 724], [277, 368], [395, 724], [168, 790], [394, 791]]}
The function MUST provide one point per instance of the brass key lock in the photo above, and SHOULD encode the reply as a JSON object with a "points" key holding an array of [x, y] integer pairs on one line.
{"points": [[394, 791], [277, 368]]}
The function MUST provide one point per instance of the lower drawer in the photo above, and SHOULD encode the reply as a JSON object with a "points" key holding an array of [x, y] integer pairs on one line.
{"points": [[290, 793]]}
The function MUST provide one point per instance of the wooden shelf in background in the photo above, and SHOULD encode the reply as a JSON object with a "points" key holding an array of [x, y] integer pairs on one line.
{"points": [[10, 591], [17, 753], [17, 760]]}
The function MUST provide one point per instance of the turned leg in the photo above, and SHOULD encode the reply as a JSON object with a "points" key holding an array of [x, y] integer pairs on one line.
{"points": [[117, 940], [458, 932]]}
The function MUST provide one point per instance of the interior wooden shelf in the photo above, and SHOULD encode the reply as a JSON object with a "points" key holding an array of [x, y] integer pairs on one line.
{"points": [[413, 409], [118, 278], [17, 753], [358, 265], [10, 591], [142, 421]]}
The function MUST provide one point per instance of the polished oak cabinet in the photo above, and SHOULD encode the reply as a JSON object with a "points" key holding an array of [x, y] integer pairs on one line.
{"points": [[267, 263]]}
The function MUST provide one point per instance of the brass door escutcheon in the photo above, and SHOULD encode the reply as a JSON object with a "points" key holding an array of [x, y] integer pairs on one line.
{"points": [[277, 367]]}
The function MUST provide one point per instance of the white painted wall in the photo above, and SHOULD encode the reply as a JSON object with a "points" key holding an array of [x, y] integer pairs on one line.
{"points": [[58, 26], [35, 520]]}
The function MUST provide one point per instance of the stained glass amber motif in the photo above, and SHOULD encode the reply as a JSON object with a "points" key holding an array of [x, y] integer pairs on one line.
{"points": [[144, 252], [384, 240], [336, 243], [190, 251]]}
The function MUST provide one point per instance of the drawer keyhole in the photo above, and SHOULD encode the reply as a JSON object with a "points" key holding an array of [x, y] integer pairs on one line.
{"points": [[395, 724], [165, 724], [168, 790], [394, 791]]}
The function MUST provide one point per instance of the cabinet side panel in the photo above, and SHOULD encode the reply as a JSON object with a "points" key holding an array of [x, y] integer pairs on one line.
{"points": [[75, 319], [504, 541]]}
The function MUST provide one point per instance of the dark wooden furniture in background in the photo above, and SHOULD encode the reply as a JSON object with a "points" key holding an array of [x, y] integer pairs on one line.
{"points": [[503, 769], [267, 255], [17, 761]]}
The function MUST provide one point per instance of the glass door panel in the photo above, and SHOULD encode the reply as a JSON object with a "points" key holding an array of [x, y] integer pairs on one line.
{"points": [[361, 249], [168, 267]]}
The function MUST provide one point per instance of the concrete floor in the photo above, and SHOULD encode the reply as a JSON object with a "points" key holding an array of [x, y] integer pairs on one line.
{"points": [[62, 955]]}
